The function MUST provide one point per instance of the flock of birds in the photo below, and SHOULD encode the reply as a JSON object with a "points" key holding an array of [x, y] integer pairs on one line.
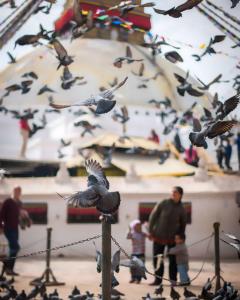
{"points": [[212, 127]]}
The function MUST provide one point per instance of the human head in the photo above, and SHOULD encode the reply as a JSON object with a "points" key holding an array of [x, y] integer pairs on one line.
{"points": [[17, 191], [136, 226], [180, 238], [177, 193]]}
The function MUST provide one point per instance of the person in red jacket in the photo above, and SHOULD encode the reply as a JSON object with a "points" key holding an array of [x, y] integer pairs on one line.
{"points": [[9, 221], [25, 131], [154, 137]]}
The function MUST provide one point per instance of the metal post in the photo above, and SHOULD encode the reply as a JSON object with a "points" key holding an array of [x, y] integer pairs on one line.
{"points": [[48, 254], [106, 260], [217, 255]]}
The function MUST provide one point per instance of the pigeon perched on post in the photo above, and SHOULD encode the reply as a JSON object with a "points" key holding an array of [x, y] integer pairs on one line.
{"points": [[97, 194]]}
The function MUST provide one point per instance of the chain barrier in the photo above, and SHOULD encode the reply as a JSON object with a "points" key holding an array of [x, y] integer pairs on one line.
{"points": [[166, 279], [55, 248]]}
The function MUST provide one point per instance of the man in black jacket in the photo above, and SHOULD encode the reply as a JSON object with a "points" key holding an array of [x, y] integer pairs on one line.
{"points": [[167, 219]]}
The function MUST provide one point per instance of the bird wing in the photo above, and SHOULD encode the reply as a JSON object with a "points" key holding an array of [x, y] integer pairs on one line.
{"points": [[179, 78], [60, 50], [207, 112], [108, 93], [77, 12], [197, 127], [59, 106], [124, 111], [216, 79], [86, 198], [149, 4], [194, 92], [231, 103], [218, 39], [128, 52], [94, 168], [220, 128], [188, 5], [233, 237], [116, 261], [173, 56]]}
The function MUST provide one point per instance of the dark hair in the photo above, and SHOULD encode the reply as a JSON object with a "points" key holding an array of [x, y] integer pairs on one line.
{"points": [[179, 189], [182, 236]]}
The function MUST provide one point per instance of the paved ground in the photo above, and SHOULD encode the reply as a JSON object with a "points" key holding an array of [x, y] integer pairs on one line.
{"points": [[83, 274]]}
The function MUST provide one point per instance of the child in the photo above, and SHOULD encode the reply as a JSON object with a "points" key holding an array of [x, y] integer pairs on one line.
{"points": [[138, 246], [180, 250]]}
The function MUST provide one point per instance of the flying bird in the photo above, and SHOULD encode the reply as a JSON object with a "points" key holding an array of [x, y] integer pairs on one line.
{"points": [[62, 55], [128, 58], [140, 71], [126, 6], [45, 89], [186, 87], [88, 128], [207, 86], [31, 39], [31, 74], [155, 45], [97, 193], [103, 101], [12, 58], [173, 57], [234, 3], [211, 130], [122, 117], [209, 49], [227, 106], [176, 12]]}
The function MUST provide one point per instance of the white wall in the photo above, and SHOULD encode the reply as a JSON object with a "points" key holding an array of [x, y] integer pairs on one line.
{"points": [[207, 208]]}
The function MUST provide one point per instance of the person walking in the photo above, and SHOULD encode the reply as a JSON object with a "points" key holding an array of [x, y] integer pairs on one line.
{"points": [[167, 219], [9, 221]]}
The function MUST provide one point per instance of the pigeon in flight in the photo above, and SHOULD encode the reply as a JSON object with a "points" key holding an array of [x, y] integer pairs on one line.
{"points": [[104, 100], [209, 49], [176, 12], [97, 193], [128, 58], [186, 87]]}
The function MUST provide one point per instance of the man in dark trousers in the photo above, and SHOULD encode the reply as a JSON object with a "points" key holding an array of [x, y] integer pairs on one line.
{"points": [[9, 221], [167, 219]]}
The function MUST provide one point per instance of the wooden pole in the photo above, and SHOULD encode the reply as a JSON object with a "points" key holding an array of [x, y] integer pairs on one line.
{"points": [[48, 256], [217, 255], [106, 260]]}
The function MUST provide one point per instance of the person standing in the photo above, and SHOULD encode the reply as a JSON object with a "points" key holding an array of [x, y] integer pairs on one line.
{"points": [[228, 154], [25, 132], [181, 253], [138, 237], [237, 141], [154, 137], [9, 221], [167, 219]]}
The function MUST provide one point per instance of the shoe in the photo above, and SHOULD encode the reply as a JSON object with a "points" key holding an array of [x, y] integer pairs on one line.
{"points": [[155, 283], [185, 283], [132, 281], [138, 281], [11, 273]]}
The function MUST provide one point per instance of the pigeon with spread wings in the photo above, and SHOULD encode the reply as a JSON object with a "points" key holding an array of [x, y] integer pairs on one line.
{"points": [[97, 193], [104, 100], [128, 58], [176, 12]]}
